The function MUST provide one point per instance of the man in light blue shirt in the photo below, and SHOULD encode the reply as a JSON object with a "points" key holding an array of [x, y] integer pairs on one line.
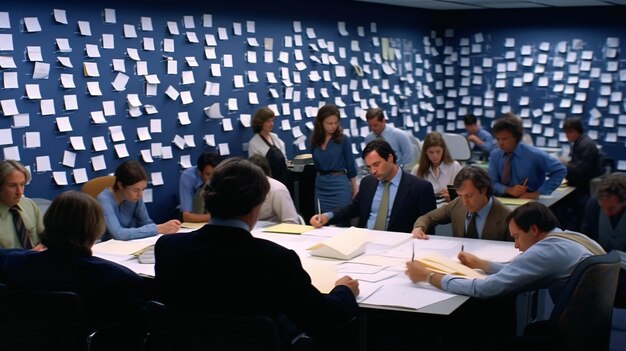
{"points": [[520, 170], [399, 140], [549, 258], [191, 182]]}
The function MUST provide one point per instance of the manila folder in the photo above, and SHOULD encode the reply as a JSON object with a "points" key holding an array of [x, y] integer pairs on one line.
{"points": [[344, 246]]}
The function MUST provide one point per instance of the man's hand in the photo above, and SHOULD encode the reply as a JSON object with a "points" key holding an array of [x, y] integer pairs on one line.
{"points": [[418, 233], [353, 284]]}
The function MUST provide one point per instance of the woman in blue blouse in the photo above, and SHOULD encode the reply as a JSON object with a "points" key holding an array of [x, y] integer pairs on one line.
{"points": [[125, 212], [335, 184]]}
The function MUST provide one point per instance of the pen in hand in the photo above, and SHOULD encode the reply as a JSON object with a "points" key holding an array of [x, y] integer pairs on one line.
{"points": [[412, 250], [462, 247], [319, 211], [525, 181]]}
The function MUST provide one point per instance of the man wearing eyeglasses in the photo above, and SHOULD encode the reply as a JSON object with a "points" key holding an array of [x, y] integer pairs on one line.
{"points": [[475, 213]]}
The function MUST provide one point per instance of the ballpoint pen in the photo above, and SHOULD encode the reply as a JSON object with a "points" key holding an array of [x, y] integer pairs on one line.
{"points": [[412, 251], [462, 247], [319, 210], [525, 181]]}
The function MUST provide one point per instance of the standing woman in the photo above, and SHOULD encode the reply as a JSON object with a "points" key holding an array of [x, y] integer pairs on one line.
{"points": [[335, 184], [436, 165], [125, 212], [268, 144]]}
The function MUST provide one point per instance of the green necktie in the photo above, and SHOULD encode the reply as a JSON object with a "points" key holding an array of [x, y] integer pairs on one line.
{"points": [[381, 216]]}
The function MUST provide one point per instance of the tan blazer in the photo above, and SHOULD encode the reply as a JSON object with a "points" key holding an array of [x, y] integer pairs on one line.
{"points": [[496, 227]]}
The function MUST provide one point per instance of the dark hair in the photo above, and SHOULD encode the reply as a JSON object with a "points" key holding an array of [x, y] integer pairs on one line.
{"points": [[207, 159], [432, 139], [533, 213], [573, 123], [261, 161], [614, 184], [317, 139], [469, 119], [128, 173], [62, 229], [509, 122], [237, 186], [375, 112], [479, 177], [381, 147], [261, 116]]}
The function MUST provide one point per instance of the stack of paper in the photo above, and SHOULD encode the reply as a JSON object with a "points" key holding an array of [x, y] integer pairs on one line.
{"points": [[344, 246], [439, 263], [121, 247]]}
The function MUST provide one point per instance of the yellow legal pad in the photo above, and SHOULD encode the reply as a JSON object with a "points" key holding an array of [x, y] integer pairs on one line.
{"points": [[191, 225], [288, 228], [441, 264], [513, 201]]}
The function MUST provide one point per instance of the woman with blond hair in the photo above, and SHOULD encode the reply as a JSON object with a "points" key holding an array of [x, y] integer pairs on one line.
{"points": [[436, 165]]}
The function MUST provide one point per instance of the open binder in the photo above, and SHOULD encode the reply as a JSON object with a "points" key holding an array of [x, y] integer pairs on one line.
{"points": [[344, 246]]}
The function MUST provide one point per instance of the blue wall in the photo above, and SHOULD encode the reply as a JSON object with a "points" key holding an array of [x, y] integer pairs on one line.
{"points": [[273, 21], [426, 43]]}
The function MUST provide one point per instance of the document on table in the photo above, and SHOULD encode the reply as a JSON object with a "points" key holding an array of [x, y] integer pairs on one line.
{"points": [[121, 248], [497, 253], [406, 295], [344, 246], [388, 238], [191, 225], [288, 228], [513, 201], [439, 263]]}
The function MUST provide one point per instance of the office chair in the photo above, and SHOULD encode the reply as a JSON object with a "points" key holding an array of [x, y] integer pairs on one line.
{"points": [[173, 330], [55, 320], [581, 317], [41, 320], [459, 146], [95, 186]]}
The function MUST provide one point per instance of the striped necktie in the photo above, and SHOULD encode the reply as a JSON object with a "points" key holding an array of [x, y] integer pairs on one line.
{"points": [[20, 229]]}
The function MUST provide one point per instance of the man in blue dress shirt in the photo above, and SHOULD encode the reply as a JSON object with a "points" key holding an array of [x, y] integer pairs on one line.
{"points": [[520, 170], [191, 182], [481, 140], [399, 140]]}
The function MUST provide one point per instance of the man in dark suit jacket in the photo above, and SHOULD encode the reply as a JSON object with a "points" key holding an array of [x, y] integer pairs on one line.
{"points": [[473, 185], [246, 275], [409, 196]]}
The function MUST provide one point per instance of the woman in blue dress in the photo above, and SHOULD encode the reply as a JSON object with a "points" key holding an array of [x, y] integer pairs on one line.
{"points": [[335, 184]]}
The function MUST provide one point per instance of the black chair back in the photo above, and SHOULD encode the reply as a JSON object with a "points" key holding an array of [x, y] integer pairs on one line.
{"points": [[41, 320], [581, 317], [172, 330], [582, 314]]}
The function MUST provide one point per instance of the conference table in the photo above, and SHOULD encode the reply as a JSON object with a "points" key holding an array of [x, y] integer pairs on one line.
{"points": [[380, 269]]}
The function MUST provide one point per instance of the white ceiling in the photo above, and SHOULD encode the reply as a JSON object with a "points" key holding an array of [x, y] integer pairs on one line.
{"points": [[494, 4]]}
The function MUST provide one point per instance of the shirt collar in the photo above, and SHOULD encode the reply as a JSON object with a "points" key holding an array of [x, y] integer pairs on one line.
{"points": [[4, 209], [396, 179], [483, 212], [229, 223]]}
